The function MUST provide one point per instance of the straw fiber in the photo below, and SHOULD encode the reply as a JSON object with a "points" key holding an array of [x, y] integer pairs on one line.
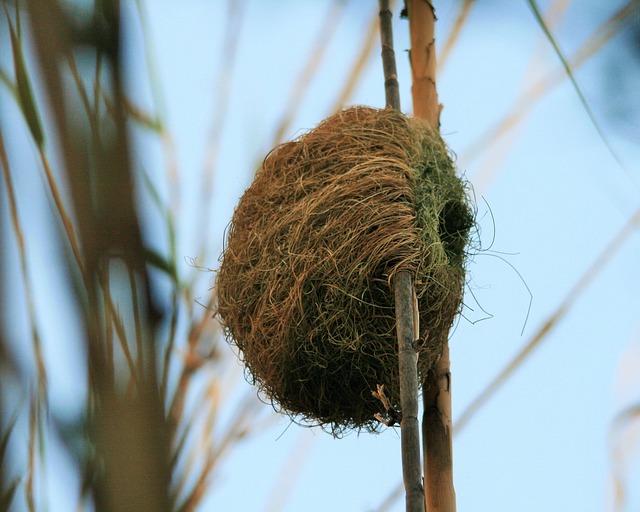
{"points": [[305, 288]]}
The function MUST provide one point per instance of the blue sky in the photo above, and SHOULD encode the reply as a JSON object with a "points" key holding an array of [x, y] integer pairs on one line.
{"points": [[556, 198], [550, 198]]}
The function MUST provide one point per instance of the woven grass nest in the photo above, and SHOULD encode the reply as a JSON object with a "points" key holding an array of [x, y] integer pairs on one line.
{"points": [[305, 288]]}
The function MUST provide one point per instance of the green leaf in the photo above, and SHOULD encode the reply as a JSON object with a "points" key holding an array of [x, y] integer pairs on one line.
{"points": [[25, 92], [536, 12]]}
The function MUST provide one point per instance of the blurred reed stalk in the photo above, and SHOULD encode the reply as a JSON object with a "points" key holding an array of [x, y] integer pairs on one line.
{"points": [[129, 430], [436, 390], [454, 34], [407, 314], [138, 427], [316, 56]]}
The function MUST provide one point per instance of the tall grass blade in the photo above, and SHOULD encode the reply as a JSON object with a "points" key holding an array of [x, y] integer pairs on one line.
{"points": [[6, 499], [601, 36], [7, 494], [4, 441], [23, 85], [583, 100]]}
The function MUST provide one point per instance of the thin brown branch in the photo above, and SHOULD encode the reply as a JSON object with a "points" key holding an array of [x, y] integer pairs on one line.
{"points": [[192, 361], [543, 332], [24, 272], [454, 35], [359, 65], [500, 149], [222, 92], [244, 416], [320, 46]]}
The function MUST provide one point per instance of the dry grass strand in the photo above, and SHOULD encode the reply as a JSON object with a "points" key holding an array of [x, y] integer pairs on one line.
{"points": [[304, 289]]}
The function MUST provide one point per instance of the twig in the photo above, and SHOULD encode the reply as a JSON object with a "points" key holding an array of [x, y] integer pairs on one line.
{"points": [[436, 422], [395, 417], [222, 92], [406, 313], [585, 280], [324, 37], [449, 44], [497, 152], [359, 64], [25, 275]]}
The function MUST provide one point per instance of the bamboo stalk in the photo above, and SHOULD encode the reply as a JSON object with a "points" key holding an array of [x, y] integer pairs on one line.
{"points": [[436, 423], [408, 362], [391, 87], [423, 61], [406, 313], [437, 433]]}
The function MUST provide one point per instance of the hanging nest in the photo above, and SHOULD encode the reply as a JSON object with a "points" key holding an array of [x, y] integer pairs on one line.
{"points": [[305, 289]]}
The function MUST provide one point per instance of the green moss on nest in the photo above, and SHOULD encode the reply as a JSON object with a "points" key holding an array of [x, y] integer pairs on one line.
{"points": [[305, 285]]}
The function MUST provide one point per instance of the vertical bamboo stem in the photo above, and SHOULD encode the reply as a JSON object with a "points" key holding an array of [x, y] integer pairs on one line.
{"points": [[436, 424], [423, 61], [391, 87], [406, 313], [408, 363], [437, 434]]}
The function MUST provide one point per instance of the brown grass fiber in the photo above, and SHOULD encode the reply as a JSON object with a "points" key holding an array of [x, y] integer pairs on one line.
{"points": [[305, 285]]}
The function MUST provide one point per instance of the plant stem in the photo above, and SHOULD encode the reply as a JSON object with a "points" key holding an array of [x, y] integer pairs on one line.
{"points": [[391, 88], [437, 434], [408, 362], [406, 313], [436, 422], [423, 61]]}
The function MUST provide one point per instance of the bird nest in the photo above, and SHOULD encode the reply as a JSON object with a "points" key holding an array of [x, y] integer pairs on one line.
{"points": [[305, 285]]}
